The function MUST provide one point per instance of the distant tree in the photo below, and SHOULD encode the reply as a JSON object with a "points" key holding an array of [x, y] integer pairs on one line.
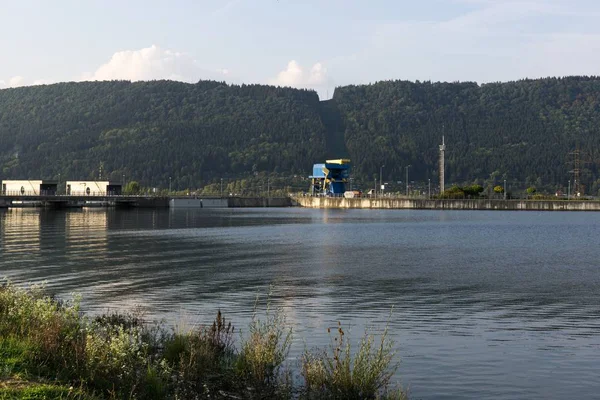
{"points": [[498, 189], [531, 190], [455, 192], [473, 190], [133, 188]]}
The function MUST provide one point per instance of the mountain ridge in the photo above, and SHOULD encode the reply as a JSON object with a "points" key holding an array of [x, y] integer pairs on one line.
{"points": [[198, 133]]}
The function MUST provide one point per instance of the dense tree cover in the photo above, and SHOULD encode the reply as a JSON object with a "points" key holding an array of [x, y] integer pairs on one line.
{"points": [[150, 131], [197, 134], [520, 131]]}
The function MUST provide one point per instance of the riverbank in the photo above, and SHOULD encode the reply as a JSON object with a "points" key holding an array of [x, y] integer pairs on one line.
{"points": [[49, 349], [448, 204]]}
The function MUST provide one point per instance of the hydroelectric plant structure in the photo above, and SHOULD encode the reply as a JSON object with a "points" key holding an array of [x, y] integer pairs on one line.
{"points": [[330, 178]]}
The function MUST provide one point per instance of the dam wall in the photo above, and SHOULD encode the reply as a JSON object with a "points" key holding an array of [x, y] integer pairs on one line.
{"points": [[198, 203], [231, 202], [447, 204], [151, 202], [243, 202]]}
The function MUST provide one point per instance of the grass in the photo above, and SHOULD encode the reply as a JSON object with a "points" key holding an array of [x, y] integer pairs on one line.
{"points": [[339, 373], [49, 347], [40, 391]]}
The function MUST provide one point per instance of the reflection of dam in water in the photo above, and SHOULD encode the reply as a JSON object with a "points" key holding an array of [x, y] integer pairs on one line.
{"points": [[30, 237], [19, 231], [86, 232]]}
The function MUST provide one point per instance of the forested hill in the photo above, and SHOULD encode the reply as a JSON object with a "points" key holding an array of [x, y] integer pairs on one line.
{"points": [[520, 131], [150, 131], [198, 133]]}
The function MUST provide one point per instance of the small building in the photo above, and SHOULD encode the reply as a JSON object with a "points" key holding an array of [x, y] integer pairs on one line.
{"points": [[93, 188], [29, 188], [330, 179]]}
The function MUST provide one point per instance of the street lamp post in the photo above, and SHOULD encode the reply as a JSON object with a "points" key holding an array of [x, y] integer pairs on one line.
{"points": [[429, 187], [375, 186], [381, 179], [505, 189], [221, 187], [169, 185], [407, 167], [569, 191]]}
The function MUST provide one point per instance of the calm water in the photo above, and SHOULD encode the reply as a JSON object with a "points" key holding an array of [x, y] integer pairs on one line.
{"points": [[496, 305]]}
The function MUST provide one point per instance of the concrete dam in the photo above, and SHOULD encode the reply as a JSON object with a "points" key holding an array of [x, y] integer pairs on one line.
{"points": [[447, 204]]}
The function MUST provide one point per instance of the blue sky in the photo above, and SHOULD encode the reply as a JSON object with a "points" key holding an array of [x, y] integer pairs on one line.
{"points": [[317, 44]]}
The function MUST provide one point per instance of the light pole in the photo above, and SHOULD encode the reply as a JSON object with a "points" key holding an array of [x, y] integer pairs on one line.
{"points": [[505, 189], [569, 191], [221, 187], [58, 186], [169, 185], [268, 188], [381, 179], [375, 185], [407, 167], [429, 186]]}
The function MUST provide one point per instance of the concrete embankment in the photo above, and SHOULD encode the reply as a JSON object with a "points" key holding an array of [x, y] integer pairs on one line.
{"points": [[230, 202], [424, 204], [259, 202], [152, 202]]}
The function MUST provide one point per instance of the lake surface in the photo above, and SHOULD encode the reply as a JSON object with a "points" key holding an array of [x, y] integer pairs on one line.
{"points": [[486, 305]]}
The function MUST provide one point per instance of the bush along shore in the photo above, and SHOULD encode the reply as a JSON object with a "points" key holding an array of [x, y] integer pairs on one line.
{"points": [[50, 350]]}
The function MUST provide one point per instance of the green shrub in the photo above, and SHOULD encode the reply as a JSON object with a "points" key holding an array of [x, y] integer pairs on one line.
{"points": [[263, 352], [338, 374], [120, 356], [55, 328], [116, 358], [202, 360]]}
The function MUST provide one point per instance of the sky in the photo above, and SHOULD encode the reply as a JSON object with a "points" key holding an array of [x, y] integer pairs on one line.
{"points": [[315, 44]]}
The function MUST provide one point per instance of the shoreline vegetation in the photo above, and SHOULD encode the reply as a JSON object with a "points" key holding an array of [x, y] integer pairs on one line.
{"points": [[49, 349]]}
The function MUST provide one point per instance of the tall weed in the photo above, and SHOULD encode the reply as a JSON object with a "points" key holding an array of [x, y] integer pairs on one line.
{"points": [[202, 359], [263, 352], [337, 373]]}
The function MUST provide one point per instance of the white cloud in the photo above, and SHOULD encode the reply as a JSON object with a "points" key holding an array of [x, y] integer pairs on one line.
{"points": [[15, 81], [295, 75], [42, 82], [18, 81], [152, 63]]}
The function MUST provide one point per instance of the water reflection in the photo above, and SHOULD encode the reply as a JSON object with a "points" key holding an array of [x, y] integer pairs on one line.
{"points": [[20, 229]]}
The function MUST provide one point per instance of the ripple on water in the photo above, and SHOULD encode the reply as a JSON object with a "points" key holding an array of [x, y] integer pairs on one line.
{"points": [[481, 305]]}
